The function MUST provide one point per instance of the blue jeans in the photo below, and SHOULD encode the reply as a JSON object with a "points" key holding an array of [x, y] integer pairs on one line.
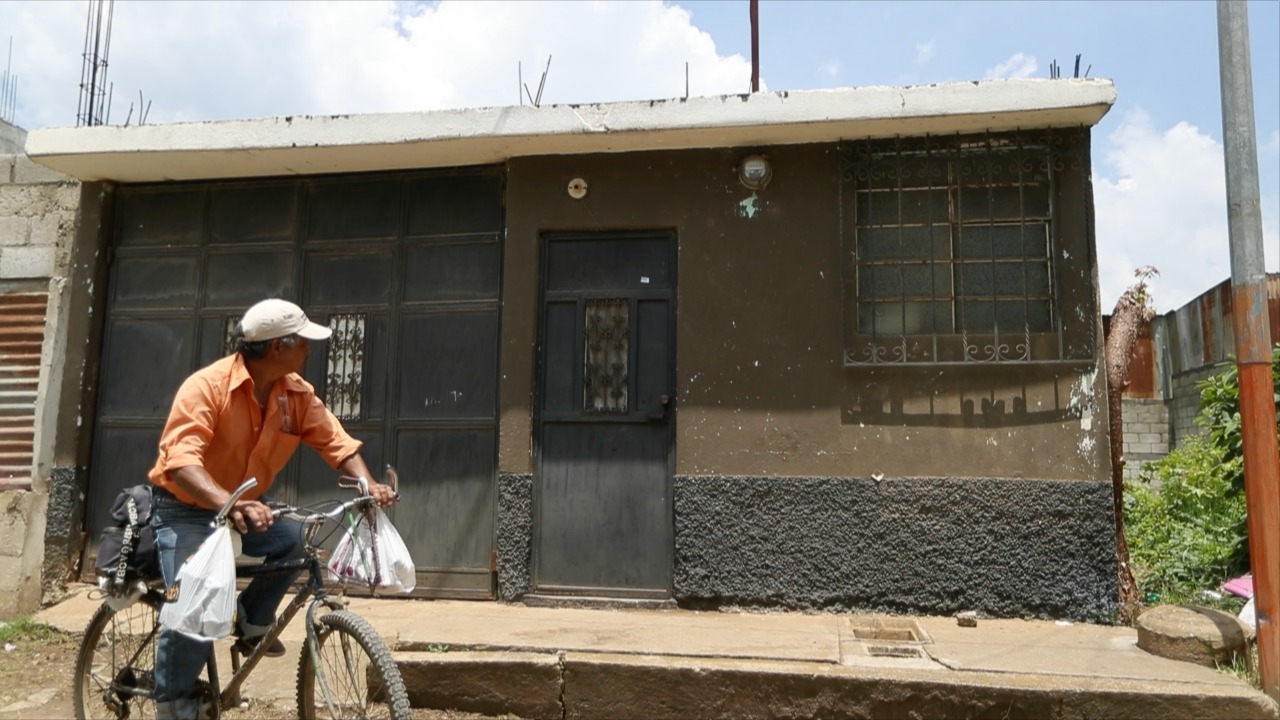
{"points": [[180, 528]]}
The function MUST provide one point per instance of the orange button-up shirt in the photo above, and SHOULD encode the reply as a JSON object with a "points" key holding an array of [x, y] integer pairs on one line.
{"points": [[216, 423]]}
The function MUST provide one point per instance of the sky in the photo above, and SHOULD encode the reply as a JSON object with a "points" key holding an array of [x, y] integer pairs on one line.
{"points": [[1159, 178]]}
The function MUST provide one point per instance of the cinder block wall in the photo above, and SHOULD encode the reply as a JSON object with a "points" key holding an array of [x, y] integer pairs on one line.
{"points": [[38, 216], [1148, 433], [1185, 404]]}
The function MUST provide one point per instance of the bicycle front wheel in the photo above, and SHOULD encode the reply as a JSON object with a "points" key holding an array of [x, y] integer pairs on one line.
{"points": [[115, 668], [349, 673]]}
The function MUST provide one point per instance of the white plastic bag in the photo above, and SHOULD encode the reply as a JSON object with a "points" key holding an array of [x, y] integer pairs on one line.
{"points": [[1249, 616], [373, 554], [202, 601]]}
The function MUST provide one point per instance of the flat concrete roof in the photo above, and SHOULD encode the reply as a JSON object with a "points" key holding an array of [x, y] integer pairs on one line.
{"points": [[306, 145]]}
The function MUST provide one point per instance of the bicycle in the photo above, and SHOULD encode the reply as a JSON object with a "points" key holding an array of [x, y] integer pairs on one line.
{"points": [[345, 669]]}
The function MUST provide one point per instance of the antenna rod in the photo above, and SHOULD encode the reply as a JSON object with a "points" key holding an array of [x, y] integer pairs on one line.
{"points": [[755, 46]]}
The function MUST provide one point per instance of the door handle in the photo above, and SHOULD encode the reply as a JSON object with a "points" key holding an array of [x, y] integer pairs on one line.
{"points": [[664, 402]]}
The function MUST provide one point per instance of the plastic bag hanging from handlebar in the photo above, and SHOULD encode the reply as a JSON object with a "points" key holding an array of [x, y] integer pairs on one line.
{"points": [[372, 553], [202, 600]]}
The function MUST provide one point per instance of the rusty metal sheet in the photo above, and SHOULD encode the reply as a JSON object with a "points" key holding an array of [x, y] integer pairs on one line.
{"points": [[22, 316]]}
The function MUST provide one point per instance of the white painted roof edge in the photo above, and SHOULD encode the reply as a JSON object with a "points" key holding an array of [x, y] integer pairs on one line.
{"points": [[314, 144]]}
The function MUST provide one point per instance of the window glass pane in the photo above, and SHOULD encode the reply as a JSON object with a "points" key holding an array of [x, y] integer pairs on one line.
{"points": [[950, 233], [986, 279], [904, 318], [976, 279], [1003, 241], [908, 243], [977, 315], [1037, 279], [1010, 279], [909, 206], [982, 202]]}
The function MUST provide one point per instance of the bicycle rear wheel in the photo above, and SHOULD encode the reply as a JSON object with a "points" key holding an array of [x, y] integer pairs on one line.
{"points": [[349, 673], [115, 668]]}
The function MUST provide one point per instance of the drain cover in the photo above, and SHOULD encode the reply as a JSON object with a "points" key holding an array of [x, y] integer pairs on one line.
{"points": [[898, 651]]}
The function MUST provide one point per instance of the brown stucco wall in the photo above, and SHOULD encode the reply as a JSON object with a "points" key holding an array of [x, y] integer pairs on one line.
{"points": [[762, 388]]}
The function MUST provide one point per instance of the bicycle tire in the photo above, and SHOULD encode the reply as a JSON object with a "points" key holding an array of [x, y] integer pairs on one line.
{"points": [[350, 673], [104, 675]]}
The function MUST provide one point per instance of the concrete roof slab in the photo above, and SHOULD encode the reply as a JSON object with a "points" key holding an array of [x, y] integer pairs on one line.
{"points": [[305, 145]]}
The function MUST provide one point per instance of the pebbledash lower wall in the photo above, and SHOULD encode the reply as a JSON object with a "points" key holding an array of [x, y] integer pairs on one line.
{"points": [[1002, 547]]}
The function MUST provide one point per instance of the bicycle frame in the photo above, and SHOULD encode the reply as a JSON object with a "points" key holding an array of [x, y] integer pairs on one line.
{"points": [[313, 593]]}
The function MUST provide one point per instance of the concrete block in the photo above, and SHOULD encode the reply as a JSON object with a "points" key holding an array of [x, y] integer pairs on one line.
{"points": [[46, 231], [6, 168], [26, 262], [14, 231], [27, 171], [13, 531]]}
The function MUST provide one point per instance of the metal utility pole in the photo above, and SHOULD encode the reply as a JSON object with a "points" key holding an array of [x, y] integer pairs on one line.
{"points": [[1253, 342], [755, 46]]}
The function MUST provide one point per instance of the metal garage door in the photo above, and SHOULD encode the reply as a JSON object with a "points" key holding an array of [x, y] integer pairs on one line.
{"points": [[406, 270]]}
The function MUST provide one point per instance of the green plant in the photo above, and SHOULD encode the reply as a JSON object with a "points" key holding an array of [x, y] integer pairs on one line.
{"points": [[1186, 536], [23, 628], [1220, 413]]}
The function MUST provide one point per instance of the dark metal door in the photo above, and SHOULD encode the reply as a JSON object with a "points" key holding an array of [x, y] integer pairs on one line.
{"points": [[404, 267], [603, 494]]}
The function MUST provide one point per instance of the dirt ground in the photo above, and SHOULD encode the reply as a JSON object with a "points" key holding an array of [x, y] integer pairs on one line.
{"points": [[35, 684]]}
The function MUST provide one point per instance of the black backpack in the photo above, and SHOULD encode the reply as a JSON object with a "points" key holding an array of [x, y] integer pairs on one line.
{"points": [[127, 550]]}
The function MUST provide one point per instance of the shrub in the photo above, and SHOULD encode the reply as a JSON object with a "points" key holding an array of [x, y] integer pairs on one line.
{"points": [[1188, 535], [1220, 413]]}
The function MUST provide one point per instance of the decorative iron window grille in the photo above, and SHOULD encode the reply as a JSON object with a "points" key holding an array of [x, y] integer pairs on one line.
{"points": [[950, 247], [229, 334], [607, 325], [344, 379]]}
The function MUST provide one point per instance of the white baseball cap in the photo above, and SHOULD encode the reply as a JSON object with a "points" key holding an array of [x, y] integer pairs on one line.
{"points": [[275, 318]]}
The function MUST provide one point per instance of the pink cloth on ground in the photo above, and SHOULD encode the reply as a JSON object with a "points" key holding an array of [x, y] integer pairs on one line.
{"points": [[1241, 586]]}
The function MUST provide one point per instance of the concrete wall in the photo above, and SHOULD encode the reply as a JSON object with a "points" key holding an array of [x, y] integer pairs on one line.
{"points": [[12, 139], [49, 236], [37, 216], [1148, 433], [761, 388]]}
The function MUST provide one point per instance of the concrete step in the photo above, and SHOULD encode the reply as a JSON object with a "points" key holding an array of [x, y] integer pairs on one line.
{"points": [[611, 685]]}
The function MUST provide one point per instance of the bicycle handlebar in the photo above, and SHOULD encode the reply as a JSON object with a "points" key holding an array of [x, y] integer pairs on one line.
{"points": [[359, 484], [245, 487]]}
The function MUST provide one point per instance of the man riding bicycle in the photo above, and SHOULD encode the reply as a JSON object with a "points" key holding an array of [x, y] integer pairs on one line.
{"points": [[241, 417]]}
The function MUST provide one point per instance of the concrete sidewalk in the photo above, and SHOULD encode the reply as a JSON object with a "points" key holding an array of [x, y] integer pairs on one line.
{"points": [[537, 662]]}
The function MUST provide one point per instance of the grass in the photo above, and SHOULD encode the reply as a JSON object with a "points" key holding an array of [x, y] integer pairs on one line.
{"points": [[22, 628], [1244, 667]]}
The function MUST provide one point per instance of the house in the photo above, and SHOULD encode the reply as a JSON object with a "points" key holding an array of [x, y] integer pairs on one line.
{"points": [[830, 349]]}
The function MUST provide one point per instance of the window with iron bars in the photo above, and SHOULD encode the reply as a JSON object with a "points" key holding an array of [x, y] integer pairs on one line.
{"points": [[950, 248]]}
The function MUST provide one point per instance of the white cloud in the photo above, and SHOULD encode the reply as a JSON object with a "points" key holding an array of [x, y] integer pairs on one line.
{"points": [[830, 68], [1161, 200], [1272, 145], [1019, 65], [924, 52], [219, 60]]}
